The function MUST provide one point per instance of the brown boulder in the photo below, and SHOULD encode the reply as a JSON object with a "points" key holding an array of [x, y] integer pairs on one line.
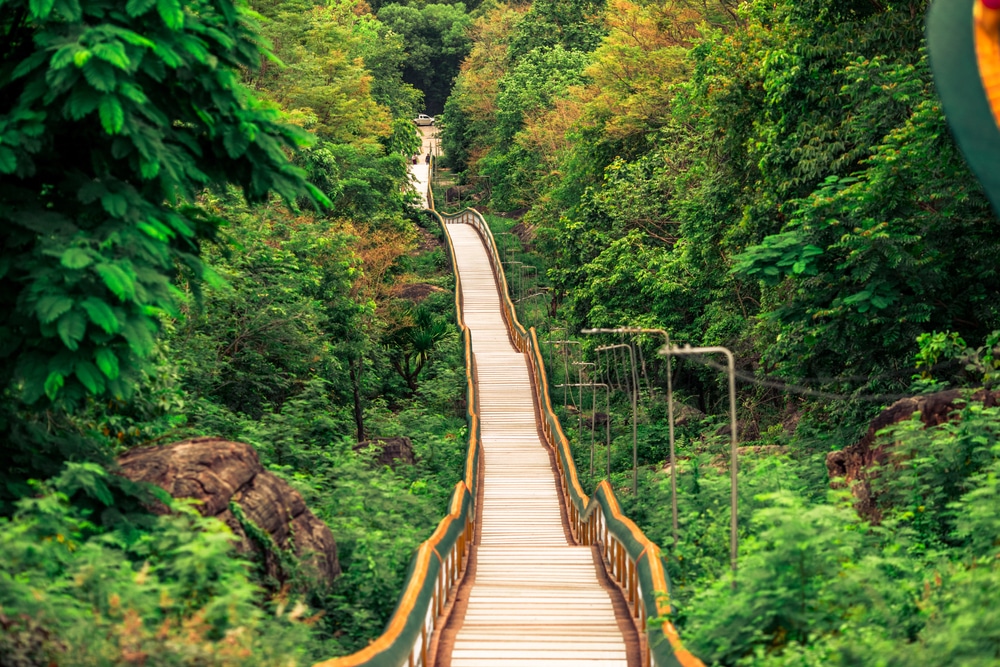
{"points": [[853, 464], [389, 451], [217, 472], [684, 414]]}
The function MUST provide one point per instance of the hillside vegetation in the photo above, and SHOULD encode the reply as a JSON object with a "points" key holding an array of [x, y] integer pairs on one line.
{"points": [[776, 177], [207, 230]]}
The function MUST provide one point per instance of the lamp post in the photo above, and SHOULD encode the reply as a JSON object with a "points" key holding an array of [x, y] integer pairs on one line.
{"points": [[593, 420], [565, 348], [506, 244], [542, 292], [669, 350], [510, 280], [579, 376], [525, 268], [635, 416], [670, 416], [552, 332]]}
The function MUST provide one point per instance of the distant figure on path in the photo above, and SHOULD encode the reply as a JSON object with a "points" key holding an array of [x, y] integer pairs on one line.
{"points": [[428, 159]]}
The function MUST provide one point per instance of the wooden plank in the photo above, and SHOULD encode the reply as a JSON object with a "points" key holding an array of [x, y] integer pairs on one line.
{"points": [[536, 599]]}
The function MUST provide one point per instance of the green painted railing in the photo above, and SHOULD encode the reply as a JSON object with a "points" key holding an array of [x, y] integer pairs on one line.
{"points": [[440, 561], [632, 560]]}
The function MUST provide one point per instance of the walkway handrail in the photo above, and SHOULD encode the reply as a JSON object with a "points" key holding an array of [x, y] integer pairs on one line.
{"points": [[634, 561], [439, 562]]}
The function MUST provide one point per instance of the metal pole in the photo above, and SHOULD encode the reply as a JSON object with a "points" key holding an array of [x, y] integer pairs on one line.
{"points": [[607, 412], [593, 425], [673, 452], [565, 344], [510, 280], [733, 439], [533, 272], [593, 421], [579, 376], [551, 351], [670, 417], [635, 418]]}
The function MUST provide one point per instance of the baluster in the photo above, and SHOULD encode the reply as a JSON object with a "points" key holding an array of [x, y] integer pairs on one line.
{"points": [[423, 643]]}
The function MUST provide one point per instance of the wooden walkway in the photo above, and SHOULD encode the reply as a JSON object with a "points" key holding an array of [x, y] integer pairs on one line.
{"points": [[536, 599]]}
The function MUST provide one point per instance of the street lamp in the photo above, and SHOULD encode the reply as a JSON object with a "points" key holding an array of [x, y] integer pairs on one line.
{"points": [[635, 416], [593, 420], [513, 285], [669, 350], [579, 376], [670, 416], [526, 268], [542, 292], [565, 347]]}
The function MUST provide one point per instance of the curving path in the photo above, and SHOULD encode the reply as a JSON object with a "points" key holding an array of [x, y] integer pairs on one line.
{"points": [[420, 173], [536, 599]]}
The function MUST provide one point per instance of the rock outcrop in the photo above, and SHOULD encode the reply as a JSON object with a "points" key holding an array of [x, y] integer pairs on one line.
{"points": [[853, 464], [389, 451], [217, 472]]}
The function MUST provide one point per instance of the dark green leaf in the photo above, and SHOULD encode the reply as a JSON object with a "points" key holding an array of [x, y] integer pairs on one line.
{"points": [[90, 377], [101, 314], [72, 327], [139, 7], [114, 203], [138, 336], [117, 280], [51, 307], [8, 161], [40, 9]]}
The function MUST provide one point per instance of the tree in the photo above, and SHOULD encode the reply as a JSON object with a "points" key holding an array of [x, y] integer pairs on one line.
{"points": [[532, 86], [470, 112], [575, 25], [436, 42], [411, 339], [112, 119]]}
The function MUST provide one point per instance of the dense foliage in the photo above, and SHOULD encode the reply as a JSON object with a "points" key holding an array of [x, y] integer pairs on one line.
{"points": [[776, 177], [207, 230]]}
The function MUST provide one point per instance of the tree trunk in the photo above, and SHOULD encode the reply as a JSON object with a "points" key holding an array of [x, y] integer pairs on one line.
{"points": [[359, 415]]}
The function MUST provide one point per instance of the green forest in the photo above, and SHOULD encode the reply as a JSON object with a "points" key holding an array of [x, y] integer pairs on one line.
{"points": [[208, 232]]}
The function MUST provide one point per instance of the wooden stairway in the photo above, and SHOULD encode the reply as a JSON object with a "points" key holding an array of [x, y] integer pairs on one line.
{"points": [[536, 599]]}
